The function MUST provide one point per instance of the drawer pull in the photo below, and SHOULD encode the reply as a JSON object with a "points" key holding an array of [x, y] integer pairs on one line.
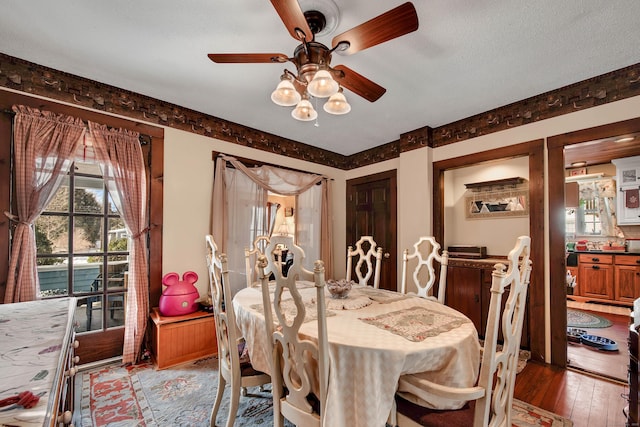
{"points": [[595, 259], [595, 267]]}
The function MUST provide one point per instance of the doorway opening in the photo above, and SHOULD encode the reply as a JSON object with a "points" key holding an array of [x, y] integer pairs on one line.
{"points": [[577, 243]]}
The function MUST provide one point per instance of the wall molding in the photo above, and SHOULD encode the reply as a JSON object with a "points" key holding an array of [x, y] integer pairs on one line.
{"points": [[24, 76]]}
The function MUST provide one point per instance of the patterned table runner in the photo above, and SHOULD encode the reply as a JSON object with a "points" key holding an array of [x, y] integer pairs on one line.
{"points": [[289, 309], [382, 296], [416, 323]]}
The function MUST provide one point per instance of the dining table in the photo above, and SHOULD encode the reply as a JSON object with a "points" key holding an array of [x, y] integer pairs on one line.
{"points": [[374, 337]]}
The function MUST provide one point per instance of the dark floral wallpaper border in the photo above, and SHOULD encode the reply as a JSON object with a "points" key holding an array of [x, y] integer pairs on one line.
{"points": [[31, 78]]}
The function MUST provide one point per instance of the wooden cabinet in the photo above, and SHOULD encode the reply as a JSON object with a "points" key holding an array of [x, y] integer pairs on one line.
{"points": [[464, 287], [627, 278], [571, 195], [469, 292], [180, 339], [596, 276], [608, 278]]}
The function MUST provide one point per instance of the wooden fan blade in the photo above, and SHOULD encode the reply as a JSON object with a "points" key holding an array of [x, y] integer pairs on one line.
{"points": [[226, 58], [358, 84], [394, 23], [293, 17]]}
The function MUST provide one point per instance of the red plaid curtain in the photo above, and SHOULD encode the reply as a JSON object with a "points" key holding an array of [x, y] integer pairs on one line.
{"points": [[44, 147]]}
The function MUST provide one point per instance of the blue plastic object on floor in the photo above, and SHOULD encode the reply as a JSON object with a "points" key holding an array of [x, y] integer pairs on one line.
{"points": [[600, 343]]}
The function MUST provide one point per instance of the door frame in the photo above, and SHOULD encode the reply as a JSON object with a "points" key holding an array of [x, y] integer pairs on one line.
{"points": [[535, 151], [557, 261], [392, 176]]}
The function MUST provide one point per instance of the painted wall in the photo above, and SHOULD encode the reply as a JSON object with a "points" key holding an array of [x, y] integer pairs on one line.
{"points": [[188, 186], [459, 230], [413, 180]]}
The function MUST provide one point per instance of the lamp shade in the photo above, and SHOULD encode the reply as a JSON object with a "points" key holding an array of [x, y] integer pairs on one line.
{"points": [[285, 94], [337, 104], [322, 85], [304, 111]]}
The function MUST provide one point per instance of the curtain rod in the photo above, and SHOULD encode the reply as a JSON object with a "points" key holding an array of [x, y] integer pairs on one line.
{"points": [[142, 138], [257, 163]]}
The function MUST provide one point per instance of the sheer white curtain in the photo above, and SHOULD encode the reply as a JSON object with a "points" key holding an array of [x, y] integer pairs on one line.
{"points": [[308, 220], [240, 202], [246, 201]]}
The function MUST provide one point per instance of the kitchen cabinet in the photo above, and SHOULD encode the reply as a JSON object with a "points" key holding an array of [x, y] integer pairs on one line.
{"points": [[608, 278], [628, 184], [469, 292], [627, 278], [571, 195], [596, 276]]}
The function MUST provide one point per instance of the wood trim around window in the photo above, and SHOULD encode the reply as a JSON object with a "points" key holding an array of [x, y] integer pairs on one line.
{"points": [[101, 345]]}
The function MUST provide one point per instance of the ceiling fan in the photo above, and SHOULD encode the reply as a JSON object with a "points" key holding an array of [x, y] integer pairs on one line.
{"points": [[315, 75]]}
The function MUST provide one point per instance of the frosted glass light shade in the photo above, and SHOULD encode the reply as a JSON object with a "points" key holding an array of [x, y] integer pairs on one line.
{"points": [[337, 104], [285, 94], [304, 111], [322, 85]]}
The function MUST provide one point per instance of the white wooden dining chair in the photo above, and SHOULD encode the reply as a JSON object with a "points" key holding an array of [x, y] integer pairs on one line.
{"points": [[251, 259], [427, 251], [299, 367], [489, 401], [232, 369], [367, 255]]}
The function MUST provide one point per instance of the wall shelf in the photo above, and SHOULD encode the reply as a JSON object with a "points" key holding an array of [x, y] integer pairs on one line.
{"points": [[497, 198], [497, 184]]}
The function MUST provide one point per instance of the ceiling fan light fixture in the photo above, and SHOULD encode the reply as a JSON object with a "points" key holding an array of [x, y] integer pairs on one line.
{"points": [[285, 94], [337, 104], [304, 111], [322, 85]]}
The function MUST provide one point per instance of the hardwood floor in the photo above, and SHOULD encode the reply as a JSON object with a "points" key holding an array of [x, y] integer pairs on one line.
{"points": [[607, 363], [586, 400]]}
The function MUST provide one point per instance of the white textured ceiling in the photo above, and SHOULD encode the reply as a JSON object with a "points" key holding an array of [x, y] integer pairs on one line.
{"points": [[467, 57]]}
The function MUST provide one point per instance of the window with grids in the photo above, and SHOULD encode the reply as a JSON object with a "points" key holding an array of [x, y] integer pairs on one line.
{"points": [[83, 249]]}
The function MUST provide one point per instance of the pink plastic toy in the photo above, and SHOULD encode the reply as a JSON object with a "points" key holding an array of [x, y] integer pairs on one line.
{"points": [[179, 296]]}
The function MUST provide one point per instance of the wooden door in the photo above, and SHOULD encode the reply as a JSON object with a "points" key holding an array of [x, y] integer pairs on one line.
{"points": [[371, 211]]}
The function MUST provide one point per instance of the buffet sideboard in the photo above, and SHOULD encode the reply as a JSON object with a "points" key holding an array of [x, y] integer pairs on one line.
{"points": [[37, 356]]}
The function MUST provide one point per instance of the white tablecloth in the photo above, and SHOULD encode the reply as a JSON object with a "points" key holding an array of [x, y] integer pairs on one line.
{"points": [[400, 335]]}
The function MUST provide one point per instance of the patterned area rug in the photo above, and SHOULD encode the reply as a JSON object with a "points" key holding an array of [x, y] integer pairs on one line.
{"points": [[583, 319], [138, 395]]}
